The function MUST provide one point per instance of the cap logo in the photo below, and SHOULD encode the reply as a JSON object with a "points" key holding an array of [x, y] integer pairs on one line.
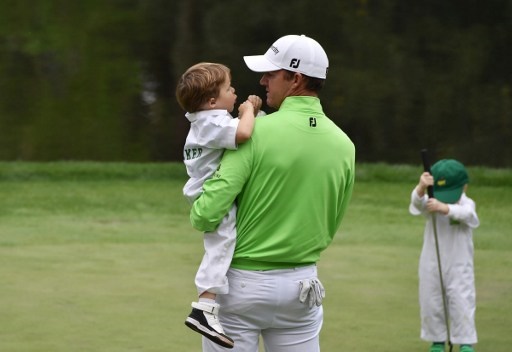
{"points": [[441, 183], [294, 63], [274, 49]]}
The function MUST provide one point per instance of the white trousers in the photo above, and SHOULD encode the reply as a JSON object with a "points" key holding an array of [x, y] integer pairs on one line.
{"points": [[267, 303], [460, 291], [218, 253]]}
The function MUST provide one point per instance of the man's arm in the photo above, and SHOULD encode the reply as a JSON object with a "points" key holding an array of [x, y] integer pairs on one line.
{"points": [[221, 190], [347, 194]]}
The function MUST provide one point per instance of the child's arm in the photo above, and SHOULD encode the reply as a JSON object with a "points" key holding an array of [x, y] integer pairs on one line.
{"points": [[418, 203], [432, 205], [418, 199], [465, 212], [246, 124], [247, 111]]}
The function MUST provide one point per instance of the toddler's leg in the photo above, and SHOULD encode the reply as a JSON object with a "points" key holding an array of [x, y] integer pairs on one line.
{"points": [[211, 280]]}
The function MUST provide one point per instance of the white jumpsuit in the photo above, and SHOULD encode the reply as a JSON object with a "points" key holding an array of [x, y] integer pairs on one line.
{"points": [[455, 239], [211, 131]]}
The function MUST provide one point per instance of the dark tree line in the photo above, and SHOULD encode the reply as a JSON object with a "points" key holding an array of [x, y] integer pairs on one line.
{"points": [[94, 80]]}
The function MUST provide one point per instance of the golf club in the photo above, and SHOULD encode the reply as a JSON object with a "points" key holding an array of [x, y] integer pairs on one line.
{"points": [[430, 192]]}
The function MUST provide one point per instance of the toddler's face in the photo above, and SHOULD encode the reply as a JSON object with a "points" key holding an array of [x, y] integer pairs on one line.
{"points": [[227, 97]]}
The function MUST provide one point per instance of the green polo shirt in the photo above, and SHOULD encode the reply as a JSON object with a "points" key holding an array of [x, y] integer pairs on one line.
{"points": [[292, 182]]}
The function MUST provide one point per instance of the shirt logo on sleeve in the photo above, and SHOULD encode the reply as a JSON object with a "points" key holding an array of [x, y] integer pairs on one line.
{"points": [[312, 122]]}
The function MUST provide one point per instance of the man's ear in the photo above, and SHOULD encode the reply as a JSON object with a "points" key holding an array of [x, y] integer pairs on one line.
{"points": [[297, 77]]}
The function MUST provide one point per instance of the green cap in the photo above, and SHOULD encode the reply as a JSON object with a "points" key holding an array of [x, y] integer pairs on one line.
{"points": [[450, 176]]}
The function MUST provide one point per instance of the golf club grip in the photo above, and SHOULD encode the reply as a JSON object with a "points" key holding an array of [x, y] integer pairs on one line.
{"points": [[426, 168]]}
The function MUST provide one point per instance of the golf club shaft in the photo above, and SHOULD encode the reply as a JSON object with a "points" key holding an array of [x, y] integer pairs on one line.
{"points": [[430, 191]]}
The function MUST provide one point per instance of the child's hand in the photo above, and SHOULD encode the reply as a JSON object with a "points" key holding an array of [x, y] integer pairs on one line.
{"points": [[434, 205], [244, 107], [256, 102], [426, 180]]}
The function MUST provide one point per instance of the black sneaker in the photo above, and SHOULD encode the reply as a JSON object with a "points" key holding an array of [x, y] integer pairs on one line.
{"points": [[203, 319]]}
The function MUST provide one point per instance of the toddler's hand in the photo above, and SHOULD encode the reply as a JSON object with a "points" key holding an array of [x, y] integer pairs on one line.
{"points": [[256, 102], [245, 106], [426, 180], [434, 205]]}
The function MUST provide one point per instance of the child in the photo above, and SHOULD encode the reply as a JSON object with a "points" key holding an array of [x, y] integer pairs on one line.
{"points": [[205, 92], [455, 219]]}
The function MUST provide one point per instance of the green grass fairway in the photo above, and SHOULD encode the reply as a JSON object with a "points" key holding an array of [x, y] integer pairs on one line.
{"points": [[102, 257]]}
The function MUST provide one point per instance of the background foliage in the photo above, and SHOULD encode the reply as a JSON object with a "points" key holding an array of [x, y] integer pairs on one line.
{"points": [[94, 80]]}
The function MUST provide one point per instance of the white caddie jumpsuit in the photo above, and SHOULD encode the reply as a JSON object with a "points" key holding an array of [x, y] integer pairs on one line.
{"points": [[211, 131], [455, 239]]}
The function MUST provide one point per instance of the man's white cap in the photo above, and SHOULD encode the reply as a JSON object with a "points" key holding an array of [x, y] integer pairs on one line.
{"points": [[296, 53]]}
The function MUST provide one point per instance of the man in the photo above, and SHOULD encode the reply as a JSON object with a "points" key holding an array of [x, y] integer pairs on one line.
{"points": [[292, 182]]}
